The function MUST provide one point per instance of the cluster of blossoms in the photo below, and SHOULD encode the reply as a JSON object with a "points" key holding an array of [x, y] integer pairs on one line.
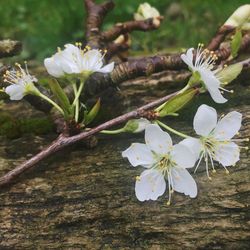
{"points": [[165, 162]]}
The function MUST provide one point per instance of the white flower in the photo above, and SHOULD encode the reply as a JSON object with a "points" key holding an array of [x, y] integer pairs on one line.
{"points": [[163, 161], [215, 142], [203, 64], [74, 60], [22, 83], [146, 11]]}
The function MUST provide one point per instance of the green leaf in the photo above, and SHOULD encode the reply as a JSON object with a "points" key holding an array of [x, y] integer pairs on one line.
{"points": [[177, 102], [228, 74], [90, 116], [60, 95], [235, 43]]}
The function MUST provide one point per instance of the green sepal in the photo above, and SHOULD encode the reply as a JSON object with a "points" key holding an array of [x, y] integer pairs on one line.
{"points": [[60, 96], [235, 43], [90, 116], [177, 102], [194, 79]]}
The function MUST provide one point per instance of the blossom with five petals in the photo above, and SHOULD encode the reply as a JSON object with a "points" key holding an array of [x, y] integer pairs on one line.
{"points": [[74, 60], [22, 83], [203, 64], [163, 161], [215, 142]]}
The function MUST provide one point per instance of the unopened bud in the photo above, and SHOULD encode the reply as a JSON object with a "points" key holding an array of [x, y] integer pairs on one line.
{"points": [[136, 125], [239, 17], [146, 11]]}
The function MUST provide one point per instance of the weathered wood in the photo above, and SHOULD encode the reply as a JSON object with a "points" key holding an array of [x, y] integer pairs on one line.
{"points": [[85, 200]]}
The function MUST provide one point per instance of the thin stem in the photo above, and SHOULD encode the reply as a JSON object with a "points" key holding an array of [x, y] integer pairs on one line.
{"points": [[51, 102], [77, 95], [63, 141], [172, 130], [113, 132], [77, 103]]}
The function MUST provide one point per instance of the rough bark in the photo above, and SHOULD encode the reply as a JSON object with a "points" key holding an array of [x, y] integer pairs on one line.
{"points": [[85, 199]]}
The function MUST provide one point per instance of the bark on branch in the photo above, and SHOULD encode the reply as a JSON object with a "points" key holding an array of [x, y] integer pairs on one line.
{"points": [[128, 27]]}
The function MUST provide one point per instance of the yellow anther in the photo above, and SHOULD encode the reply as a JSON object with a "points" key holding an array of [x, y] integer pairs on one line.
{"points": [[214, 171], [209, 178], [59, 49], [168, 203], [138, 178], [227, 172]]}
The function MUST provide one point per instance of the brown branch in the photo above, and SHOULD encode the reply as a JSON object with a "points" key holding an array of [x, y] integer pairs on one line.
{"points": [[63, 141], [10, 48], [127, 27], [219, 37], [224, 53], [95, 16]]}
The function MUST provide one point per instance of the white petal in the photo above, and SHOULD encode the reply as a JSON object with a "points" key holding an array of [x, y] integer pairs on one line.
{"points": [[157, 140], [183, 156], [194, 145], [205, 120], [150, 185], [142, 124], [92, 60], [15, 91], [228, 126], [139, 154], [212, 85], [53, 68], [188, 58], [107, 68], [227, 154], [183, 182]]}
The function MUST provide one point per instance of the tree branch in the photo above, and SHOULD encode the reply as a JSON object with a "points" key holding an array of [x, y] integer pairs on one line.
{"points": [[127, 27], [63, 141]]}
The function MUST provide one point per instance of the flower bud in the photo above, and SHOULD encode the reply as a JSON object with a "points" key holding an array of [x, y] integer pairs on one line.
{"points": [[136, 125], [239, 17], [146, 11]]}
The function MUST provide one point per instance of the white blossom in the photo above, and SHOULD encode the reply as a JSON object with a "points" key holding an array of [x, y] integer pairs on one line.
{"points": [[74, 60], [163, 162], [203, 64], [21, 83], [215, 142]]}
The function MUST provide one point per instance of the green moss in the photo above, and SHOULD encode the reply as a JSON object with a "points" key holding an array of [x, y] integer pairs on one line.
{"points": [[14, 128]]}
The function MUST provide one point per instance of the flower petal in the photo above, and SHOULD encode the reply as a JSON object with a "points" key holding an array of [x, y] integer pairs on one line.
{"points": [[183, 182], [139, 154], [15, 91], [227, 153], [205, 120], [157, 140], [92, 60], [107, 68], [212, 85], [188, 58], [228, 126], [150, 185], [53, 68], [194, 145], [183, 156]]}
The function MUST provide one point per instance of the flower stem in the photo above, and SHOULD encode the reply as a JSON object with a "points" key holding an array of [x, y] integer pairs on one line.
{"points": [[172, 130], [51, 102], [112, 132], [77, 103], [77, 95]]}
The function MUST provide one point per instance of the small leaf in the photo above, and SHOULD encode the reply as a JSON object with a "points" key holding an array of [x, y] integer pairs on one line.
{"points": [[90, 116], [60, 95], [235, 43], [177, 102]]}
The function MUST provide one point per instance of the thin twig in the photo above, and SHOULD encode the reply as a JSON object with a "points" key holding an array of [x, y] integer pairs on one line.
{"points": [[63, 141]]}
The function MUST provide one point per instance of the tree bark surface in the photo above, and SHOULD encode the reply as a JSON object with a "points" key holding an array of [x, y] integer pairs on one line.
{"points": [[84, 199]]}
